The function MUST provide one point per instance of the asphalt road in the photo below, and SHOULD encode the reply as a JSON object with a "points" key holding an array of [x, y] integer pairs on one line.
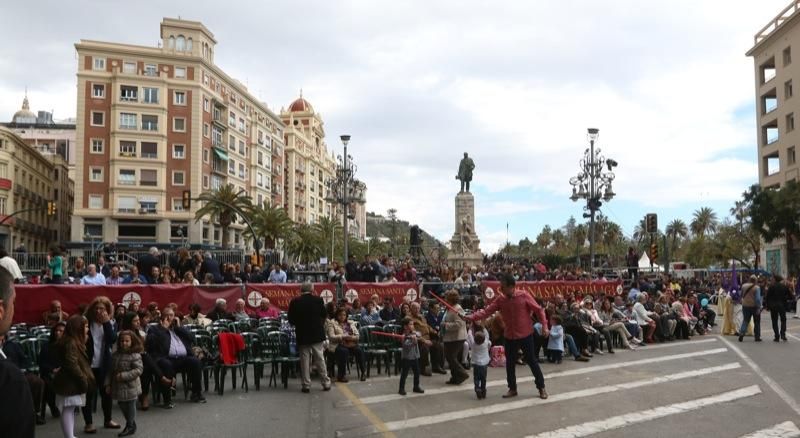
{"points": [[709, 386]]}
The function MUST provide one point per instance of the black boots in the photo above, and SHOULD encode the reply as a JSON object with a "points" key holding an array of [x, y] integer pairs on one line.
{"points": [[129, 430]]}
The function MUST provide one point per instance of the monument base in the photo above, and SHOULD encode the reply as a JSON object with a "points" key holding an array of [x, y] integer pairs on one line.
{"points": [[465, 245]]}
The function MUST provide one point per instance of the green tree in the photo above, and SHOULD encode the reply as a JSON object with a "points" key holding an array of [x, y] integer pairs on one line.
{"points": [[330, 233], [775, 214], [545, 238], [223, 205], [640, 233], [392, 215], [675, 231], [704, 222], [304, 245], [745, 230], [270, 223]]}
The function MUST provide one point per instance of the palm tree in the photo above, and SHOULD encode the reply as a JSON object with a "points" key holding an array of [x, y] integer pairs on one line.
{"points": [[559, 241], [327, 229], [304, 244], [545, 238], [223, 205], [640, 232], [270, 223], [675, 230], [704, 222]]}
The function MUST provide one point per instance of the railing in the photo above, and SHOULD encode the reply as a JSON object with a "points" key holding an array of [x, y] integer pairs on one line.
{"points": [[776, 22]]}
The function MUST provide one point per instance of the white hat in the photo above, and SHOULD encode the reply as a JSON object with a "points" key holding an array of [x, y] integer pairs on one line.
{"points": [[11, 266]]}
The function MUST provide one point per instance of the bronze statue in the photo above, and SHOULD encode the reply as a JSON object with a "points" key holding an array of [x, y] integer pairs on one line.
{"points": [[465, 168]]}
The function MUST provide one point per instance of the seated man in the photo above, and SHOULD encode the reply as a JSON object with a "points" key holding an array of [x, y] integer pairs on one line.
{"points": [[240, 313], [93, 277], [171, 348], [55, 307], [135, 277], [220, 310], [195, 317]]}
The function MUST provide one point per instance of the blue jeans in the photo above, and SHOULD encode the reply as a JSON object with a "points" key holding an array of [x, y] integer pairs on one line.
{"points": [[526, 345], [479, 376], [573, 349], [751, 312]]}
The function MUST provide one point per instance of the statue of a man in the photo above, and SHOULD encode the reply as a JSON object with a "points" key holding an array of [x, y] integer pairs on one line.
{"points": [[465, 172]]}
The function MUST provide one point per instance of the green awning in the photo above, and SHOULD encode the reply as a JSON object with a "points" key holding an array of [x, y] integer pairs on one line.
{"points": [[221, 153]]}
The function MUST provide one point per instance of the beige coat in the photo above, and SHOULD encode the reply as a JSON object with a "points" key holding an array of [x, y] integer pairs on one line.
{"points": [[454, 328], [335, 332]]}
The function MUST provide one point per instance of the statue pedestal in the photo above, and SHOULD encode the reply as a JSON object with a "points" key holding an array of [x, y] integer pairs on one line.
{"points": [[465, 244]]}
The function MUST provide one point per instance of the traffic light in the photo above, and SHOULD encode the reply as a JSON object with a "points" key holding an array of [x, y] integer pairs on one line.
{"points": [[651, 223], [51, 208], [653, 252], [186, 201]]}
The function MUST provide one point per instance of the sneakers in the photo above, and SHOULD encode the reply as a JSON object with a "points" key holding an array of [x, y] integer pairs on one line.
{"points": [[581, 359]]}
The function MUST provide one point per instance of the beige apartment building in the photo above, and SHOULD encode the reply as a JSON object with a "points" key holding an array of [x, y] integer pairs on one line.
{"points": [[153, 122], [777, 112], [29, 180], [309, 165]]}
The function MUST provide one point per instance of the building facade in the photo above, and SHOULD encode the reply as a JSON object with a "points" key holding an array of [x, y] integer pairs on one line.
{"points": [[29, 180], [154, 122], [777, 112]]}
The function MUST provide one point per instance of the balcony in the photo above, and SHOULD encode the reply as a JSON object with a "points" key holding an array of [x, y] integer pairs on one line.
{"points": [[150, 126], [126, 210], [5, 183]]}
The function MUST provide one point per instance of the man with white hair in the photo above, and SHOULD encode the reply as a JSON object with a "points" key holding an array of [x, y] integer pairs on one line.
{"points": [[17, 413], [647, 324], [146, 264], [220, 310], [307, 314], [93, 277], [240, 313]]}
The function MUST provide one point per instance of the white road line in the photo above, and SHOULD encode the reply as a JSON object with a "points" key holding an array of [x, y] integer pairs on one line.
{"points": [[625, 420], [787, 429], [793, 336], [767, 379], [574, 372], [526, 403]]}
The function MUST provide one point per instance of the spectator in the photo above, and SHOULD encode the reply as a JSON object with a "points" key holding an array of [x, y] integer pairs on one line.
{"points": [[100, 339], [276, 275], [56, 265], [102, 267], [55, 307], [370, 316], [454, 335], [220, 310], [240, 311], [147, 262], [185, 263], [171, 348], [343, 342], [78, 271], [307, 314], [389, 313], [195, 317], [48, 364], [188, 278], [267, 310], [210, 266], [93, 277], [135, 277], [75, 379], [115, 279]]}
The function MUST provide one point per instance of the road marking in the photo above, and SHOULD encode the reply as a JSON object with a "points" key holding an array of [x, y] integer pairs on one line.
{"points": [[767, 379], [786, 429], [377, 423], [625, 420], [574, 372], [527, 403], [793, 336]]}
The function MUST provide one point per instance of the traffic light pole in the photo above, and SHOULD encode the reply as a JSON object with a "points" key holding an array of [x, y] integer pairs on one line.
{"points": [[5, 219]]}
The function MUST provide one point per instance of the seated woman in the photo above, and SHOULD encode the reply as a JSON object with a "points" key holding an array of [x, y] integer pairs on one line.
{"points": [[240, 312], [188, 278], [343, 341], [267, 310], [612, 320], [682, 320], [370, 316]]}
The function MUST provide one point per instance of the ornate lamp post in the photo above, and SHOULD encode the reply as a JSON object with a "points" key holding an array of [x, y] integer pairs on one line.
{"points": [[344, 188], [593, 184]]}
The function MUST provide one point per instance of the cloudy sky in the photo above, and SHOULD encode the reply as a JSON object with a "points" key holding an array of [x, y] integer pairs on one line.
{"points": [[515, 84]]}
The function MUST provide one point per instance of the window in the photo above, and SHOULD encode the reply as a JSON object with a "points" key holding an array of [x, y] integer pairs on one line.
{"points": [[787, 89], [787, 56], [180, 72], [177, 178], [205, 181], [127, 121], [241, 147], [3, 201], [97, 145], [178, 124], [180, 98], [241, 125], [127, 177], [150, 123], [127, 148], [789, 122], [232, 119], [231, 167], [147, 207], [149, 150], [769, 102], [179, 151], [98, 118], [180, 43], [96, 174], [189, 45], [231, 142], [3, 170], [206, 155], [260, 179], [129, 67], [206, 130], [791, 156], [127, 204], [150, 95], [150, 70], [99, 64], [128, 93], [206, 105], [148, 177], [216, 137], [177, 205], [98, 91], [767, 70], [241, 171], [260, 158], [772, 164], [95, 202]]}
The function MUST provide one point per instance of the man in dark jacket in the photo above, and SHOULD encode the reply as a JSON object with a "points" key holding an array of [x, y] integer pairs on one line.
{"points": [[220, 310], [307, 314], [777, 296], [210, 266], [16, 404], [171, 348], [146, 264]]}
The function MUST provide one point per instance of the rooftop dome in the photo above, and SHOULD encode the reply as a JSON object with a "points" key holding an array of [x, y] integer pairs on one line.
{"points": [[25, 115], [300, 105]]}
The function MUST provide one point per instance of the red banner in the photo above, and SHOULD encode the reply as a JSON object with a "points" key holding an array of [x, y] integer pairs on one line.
{"points": [[396, 291], [34, 300], [280, 295], [548, 289]]}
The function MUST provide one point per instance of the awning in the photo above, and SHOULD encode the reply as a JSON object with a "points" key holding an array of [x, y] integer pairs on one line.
{"points": [[221, 153]]}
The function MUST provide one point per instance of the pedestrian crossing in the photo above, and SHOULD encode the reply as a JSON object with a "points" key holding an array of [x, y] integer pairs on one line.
{"points": [[625, 387]]}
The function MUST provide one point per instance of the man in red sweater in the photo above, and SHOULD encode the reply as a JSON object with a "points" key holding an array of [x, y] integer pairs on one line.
{"points": [[516, 307]]}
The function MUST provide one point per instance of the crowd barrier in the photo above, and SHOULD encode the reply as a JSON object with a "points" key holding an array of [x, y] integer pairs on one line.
{"points": [[33, 300]]}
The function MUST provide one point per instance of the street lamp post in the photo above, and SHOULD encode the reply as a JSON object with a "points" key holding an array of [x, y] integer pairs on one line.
{"points": [[593, 185], [344, 188]]}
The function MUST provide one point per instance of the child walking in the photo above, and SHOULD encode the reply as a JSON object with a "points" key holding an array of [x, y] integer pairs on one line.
{"points": [[122, 383], [74, 378], [410, 357], [555, 344], [479, 346]]}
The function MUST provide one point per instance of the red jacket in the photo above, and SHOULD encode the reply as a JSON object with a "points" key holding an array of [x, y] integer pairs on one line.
{"points": [[230, 344], [516, 313]]}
